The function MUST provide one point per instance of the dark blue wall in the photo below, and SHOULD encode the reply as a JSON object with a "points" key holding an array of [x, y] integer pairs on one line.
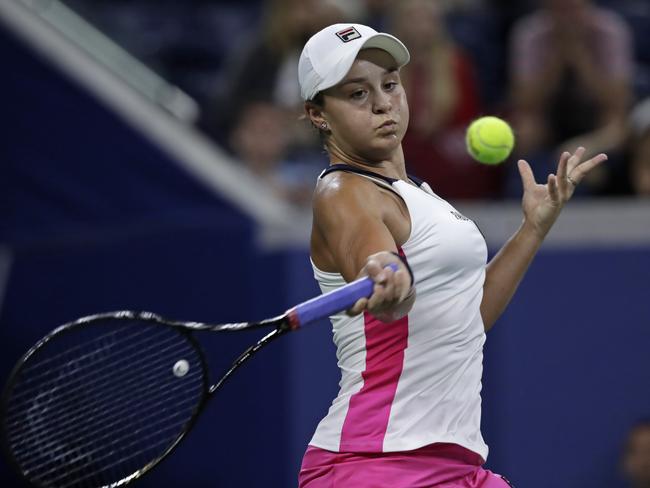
{"points": [[98, 219]]}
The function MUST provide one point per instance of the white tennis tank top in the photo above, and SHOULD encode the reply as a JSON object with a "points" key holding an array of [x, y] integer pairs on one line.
{"points": [[416, 381]]}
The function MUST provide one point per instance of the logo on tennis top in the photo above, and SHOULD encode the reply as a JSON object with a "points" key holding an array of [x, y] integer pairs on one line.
{"points": [[349, 34], [459, 216]]}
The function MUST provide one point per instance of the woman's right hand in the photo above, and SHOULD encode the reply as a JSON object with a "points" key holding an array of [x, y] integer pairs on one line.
{"points": [[393, 294]]}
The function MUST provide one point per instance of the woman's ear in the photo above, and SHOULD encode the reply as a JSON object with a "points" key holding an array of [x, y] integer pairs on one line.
{"points": [[316, 116]]}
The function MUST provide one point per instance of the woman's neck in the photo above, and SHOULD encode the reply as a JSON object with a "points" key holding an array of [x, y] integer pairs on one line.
{"points": [[391, 167]]}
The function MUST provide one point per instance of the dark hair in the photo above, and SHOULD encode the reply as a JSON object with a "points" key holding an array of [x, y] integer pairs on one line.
{"points": [[318, 100]]}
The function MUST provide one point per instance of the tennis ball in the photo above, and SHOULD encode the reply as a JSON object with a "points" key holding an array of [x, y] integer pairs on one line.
{"points": [[489, 140], [181, 368]]}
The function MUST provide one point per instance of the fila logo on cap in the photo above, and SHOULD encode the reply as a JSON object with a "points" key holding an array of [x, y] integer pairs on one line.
{"points": [[349, 34]]}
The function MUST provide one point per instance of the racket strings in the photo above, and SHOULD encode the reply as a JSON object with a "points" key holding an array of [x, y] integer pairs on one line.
{"points": [[123, 434], [108, 379], [122, 461], [68, 413], [68, 367], [72, 351], [107, 431], [120, 402], [106, 417], [60, 474], [124, 445], [70, 410]]}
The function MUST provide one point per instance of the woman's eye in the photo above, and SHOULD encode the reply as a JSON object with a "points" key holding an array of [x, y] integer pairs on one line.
{"points": [[390, 85], [357, 94]]}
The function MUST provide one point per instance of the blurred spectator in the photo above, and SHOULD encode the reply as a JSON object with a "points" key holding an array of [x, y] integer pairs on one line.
{"points": [[261, 141], [571, 71], [639, 150], [376, 13], [629, 150], [372, 13], [267, 69], [442, 88], [636, 457], [640, 167]]}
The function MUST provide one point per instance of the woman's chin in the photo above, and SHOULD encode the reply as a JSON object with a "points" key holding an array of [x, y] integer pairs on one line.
{"points": [[385, 147]]}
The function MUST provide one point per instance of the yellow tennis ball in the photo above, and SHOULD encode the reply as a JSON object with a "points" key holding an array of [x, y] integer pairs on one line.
{"points": [[489, 140]]}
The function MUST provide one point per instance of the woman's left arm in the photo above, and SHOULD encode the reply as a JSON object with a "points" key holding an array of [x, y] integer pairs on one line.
{"points": [[542, 205]]}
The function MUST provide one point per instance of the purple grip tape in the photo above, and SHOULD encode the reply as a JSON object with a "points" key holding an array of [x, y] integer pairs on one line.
{"points": [[330, 303]]}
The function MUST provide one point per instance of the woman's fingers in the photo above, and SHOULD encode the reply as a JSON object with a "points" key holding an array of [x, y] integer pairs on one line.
{"points": [[374, 270], [404, 283], [385, 292], [390, 287], [526, 173], [562, 172], [358, 307], [571, 170], [562, 166], [582, 169], [574, 160], [553, 190]]}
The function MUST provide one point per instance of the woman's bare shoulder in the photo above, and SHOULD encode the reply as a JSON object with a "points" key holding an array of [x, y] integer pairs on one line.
{"points": [[340, 189], [346, 201]]}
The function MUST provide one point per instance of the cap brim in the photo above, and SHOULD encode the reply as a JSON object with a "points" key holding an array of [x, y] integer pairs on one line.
{"points": [[392, 45], [385, 42]]}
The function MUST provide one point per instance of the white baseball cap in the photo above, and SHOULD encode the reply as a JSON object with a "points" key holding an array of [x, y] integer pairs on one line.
{"points": [[328, 55]]}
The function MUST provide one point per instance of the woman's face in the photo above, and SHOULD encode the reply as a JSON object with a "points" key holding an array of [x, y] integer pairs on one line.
{"points": [[367, 112]]}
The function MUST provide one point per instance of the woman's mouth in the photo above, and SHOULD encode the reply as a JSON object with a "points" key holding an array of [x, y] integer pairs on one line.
{"points": [[388, 126]]}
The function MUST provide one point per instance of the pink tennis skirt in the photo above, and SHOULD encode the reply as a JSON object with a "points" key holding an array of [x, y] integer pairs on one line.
{"points": [[436, 465]]}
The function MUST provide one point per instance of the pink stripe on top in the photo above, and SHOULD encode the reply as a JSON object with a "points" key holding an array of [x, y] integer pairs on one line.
{"points": [[366, 421]]}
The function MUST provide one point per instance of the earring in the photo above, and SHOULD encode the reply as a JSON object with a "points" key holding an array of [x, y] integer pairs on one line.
{"points": [[323, 125]]}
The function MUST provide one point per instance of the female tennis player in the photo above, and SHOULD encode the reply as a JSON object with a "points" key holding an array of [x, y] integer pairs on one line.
{"points": [[409, 408]]}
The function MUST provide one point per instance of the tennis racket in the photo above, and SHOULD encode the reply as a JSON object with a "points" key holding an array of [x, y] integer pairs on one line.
{"points": [[100, 401]]}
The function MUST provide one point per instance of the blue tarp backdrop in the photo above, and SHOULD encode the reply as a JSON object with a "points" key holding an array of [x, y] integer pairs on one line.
{"points": [[95, 218]]}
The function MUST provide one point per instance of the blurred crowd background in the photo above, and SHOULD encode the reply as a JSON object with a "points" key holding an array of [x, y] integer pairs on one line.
{"points": [[563, 72]]}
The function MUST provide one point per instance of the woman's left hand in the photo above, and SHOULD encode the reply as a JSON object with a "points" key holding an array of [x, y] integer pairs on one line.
{"points": [[542, 204]]}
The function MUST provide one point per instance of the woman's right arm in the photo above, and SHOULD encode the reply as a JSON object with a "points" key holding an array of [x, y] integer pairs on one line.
{"points": [[352, 236]]}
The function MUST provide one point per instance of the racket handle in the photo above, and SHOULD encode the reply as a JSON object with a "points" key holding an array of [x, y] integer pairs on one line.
{"points": [[330, 303]]}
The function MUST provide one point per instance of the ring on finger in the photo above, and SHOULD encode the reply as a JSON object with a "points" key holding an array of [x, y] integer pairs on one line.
{"points": [[571, 180]]}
